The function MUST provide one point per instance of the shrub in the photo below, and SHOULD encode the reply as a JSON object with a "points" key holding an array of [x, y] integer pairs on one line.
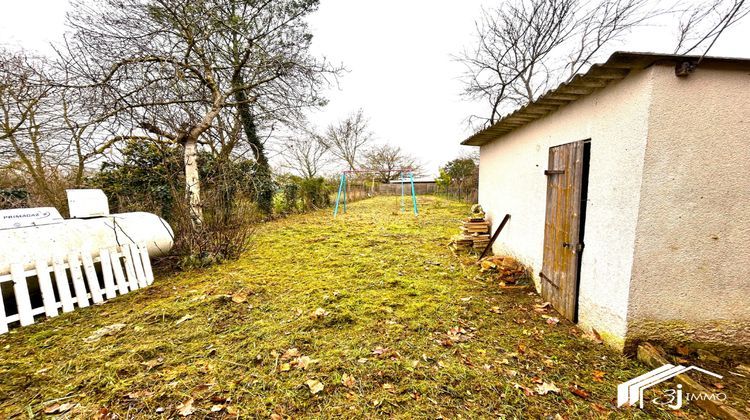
{"points": [[151, 178], [316, 193], [291, 193]]}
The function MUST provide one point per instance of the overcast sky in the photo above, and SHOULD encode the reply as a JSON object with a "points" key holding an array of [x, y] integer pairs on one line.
{"points": [[398, 53]]}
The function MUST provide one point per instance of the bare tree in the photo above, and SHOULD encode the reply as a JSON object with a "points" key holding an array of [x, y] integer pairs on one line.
{"points": [[177, 69], [305, 154], [347, 138], [389, 161], [704, 24], [525, 46], [48, 132], [24, 143]]}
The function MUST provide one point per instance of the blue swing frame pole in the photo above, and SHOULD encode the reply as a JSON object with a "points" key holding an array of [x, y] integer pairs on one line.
{"points": [[338, 196], [413, 193]]}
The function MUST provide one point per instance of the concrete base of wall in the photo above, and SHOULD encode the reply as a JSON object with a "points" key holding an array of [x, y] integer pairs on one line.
{"points": [[724, 336]]}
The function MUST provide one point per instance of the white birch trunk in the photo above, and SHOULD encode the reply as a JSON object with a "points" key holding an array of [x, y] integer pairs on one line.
{"points": [[192, 182]]}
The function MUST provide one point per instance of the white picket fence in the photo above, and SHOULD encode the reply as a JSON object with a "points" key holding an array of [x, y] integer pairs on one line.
{"points": [[124, 269]]}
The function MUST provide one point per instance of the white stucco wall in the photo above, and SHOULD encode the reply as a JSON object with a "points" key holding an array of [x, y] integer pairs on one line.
{"points": [[691, 269], [512, 180]]}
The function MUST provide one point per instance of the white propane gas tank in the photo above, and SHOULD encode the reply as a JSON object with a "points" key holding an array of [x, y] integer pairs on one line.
{"points": [[27, 235], [37, 243]]}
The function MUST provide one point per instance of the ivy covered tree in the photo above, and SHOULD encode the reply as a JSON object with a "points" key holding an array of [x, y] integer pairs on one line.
{"points": [[192, 72]]}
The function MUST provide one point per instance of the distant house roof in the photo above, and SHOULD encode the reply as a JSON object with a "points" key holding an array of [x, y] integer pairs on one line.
{"points": [[598, 76]]}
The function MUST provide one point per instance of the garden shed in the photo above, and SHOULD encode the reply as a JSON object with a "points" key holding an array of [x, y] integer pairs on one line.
{"points": [[629, 190]]}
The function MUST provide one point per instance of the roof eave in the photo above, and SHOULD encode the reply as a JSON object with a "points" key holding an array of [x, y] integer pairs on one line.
{"points": [[617, 67]]}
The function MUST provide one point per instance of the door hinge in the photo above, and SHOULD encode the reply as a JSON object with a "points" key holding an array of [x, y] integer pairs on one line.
{"points": [[578, 247], [549, 172]]}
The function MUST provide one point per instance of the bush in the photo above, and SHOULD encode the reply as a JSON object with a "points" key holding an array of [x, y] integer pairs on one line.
{"points": [[291, 193], [224, 234], [14, 197], [151, 178], [316, 193]]}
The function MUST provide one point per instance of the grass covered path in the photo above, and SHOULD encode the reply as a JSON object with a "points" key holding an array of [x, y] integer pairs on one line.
{"points": [[367, 315]]}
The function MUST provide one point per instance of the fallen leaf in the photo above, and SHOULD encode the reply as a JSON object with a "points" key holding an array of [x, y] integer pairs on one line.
{"points": [[104, 414], [220, 399], [348, 380], [596, 337], [183, 319], [458, 335], [380, 351], [303, 362], [290, 354], [598, 375], [683, 350], [138, 395], [362, 360], [526, 391], [389, 387], [495, 309], [217, 407], [599, 408], [104, 331], [150, 364], [239, 298], [546, 388], [320, 313], [580, 392], [186, 408], [59, 408], [314, 386], [553, 321], [231, 410], [719, 385], [285, 367]]}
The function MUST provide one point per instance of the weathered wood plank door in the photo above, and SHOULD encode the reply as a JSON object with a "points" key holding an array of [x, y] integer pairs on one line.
{"points": [[562, 228]]}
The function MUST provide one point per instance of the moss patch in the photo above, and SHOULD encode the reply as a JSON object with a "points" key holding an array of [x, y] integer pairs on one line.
{"points": [[374, 294]]}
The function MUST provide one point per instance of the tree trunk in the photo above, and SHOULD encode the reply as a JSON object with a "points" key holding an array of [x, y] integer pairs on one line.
{"points": [[264, 186], [192, 182]]}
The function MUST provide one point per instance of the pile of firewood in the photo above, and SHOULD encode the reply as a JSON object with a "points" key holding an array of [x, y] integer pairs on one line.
{"points": [[505, 268], [475, 232]]}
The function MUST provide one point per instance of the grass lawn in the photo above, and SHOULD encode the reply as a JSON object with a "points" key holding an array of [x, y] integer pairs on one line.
{"points": [[372, 306]]}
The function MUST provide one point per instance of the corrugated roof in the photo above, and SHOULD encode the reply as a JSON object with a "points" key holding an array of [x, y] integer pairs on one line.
{"points": [[598, 76]]}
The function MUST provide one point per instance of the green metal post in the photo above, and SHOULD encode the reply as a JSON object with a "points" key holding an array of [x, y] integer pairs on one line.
{"points": [[338, 196], [413, 193]]}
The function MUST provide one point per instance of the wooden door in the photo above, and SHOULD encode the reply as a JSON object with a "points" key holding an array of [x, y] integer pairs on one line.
{"points": [[563, 227]]}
